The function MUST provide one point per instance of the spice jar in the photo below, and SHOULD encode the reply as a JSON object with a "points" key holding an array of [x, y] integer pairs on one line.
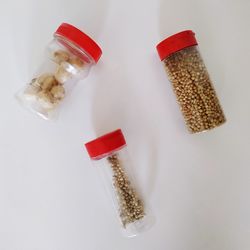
{"points": [[109, 154], [191, 82], [70, 55]]}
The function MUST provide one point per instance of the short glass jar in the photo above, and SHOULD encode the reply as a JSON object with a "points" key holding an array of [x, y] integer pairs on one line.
{"points": [[110, 155], [69, 57], [191, 82]]}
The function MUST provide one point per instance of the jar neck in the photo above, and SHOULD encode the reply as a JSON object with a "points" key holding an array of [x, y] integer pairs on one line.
{"points": [[74, 49], [115, 151]]}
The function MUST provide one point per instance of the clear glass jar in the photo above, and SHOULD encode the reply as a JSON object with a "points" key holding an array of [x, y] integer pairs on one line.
{"points": [[69, 57], [191, 82], [109, 154]]}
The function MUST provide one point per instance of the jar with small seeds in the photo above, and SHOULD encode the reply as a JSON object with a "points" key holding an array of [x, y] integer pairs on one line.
{"points": [[191, 83], [69, 57], [110, 156]]}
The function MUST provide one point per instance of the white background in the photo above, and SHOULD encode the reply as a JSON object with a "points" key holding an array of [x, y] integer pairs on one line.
{"points": [[197, 185]]}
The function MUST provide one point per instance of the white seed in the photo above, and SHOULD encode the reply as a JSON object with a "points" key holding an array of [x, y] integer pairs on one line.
{"points": [[58, 92], [31, 92], [76, 62], [61, 56], [62, 74], [45, 100], [45, 81]]}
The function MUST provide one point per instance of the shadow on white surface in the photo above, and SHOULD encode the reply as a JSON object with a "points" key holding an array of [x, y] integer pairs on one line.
{"points": [[183, 15]]}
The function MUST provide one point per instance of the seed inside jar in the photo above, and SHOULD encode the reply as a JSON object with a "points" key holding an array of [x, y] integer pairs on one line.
{"points": [[61, 56], [62, 74], [76, 62], [48, 89], [194, 90], [131, 207], [58, 92], [46, 82]]}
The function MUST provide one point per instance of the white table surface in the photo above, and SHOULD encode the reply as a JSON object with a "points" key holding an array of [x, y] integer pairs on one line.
{"points": [[197, 185]]}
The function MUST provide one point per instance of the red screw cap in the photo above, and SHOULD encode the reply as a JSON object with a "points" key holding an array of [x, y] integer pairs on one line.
{"points": [[106, 144], [80, 39], [175, 43]]}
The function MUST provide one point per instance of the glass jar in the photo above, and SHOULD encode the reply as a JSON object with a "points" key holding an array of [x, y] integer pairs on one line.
{"points": [[109, 154], [70, 55], [191, 82]]}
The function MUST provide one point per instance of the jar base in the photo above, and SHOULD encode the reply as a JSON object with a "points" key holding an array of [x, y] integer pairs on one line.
{"points": [[31, 103], [138, 227], [209, 129]]}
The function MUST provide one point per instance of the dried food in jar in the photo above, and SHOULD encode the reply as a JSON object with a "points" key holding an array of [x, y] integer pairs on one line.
{"points": [[192, 85]]}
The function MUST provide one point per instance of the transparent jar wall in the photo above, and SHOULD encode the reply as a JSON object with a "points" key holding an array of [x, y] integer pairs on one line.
{"points": [[115, 171], [65, 64], [194, 90]]}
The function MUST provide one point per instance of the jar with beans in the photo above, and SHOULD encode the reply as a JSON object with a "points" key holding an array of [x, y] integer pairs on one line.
{"points": [[191, 82], [69, 57], [110, 156]]}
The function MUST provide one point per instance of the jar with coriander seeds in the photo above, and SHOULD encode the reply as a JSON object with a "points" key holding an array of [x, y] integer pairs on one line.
{"points": [[192, 85], [109, 155], [69, 57]]}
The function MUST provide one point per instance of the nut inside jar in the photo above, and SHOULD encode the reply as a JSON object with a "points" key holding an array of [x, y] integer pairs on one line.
{"points": [[48, 89], [69, 57]]}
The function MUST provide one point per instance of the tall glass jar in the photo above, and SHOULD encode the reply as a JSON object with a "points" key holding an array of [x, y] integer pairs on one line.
{"points": [[69, 57], [191, 82], [109, 154]]}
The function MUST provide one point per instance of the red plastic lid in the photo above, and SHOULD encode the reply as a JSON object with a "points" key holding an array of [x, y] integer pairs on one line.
{"points": [[105, 144], [175, 43], [80, 39]]}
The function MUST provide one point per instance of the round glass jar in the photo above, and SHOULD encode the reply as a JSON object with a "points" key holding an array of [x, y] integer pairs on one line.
{"points": [[69, 57]]}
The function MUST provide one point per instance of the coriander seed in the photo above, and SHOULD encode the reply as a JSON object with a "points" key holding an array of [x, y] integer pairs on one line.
{"points": [[191, 83], [109, 153]]}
